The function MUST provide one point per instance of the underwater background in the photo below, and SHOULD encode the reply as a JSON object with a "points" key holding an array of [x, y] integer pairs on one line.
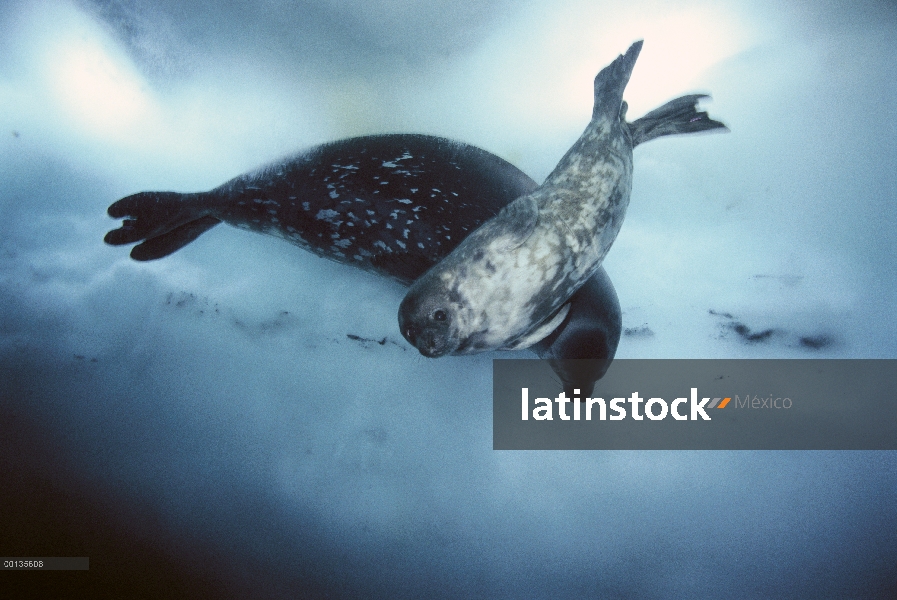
{"points": [[243, 419]]}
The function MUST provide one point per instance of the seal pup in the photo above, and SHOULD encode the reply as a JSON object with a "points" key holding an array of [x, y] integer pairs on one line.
{"points": [[508, 284], [393, 205]]}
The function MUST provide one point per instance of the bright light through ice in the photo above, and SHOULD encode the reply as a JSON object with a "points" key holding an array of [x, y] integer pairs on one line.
{"points": [[679, 48], [92, 82], [96, 90], [566, 44]]}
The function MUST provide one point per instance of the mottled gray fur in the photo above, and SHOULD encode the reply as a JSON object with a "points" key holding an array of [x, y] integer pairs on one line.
{"points": [[506, 285]]}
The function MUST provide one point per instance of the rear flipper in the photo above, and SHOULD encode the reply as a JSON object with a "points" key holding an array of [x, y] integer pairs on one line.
{"points": [[163, 221], [676, 116]]}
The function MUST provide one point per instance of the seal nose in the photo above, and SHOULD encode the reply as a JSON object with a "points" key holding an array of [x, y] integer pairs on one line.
{"points": [[429, 346], [424, 342], [430, 342]]}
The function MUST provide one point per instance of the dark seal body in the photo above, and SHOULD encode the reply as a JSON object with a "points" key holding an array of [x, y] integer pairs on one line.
{"points": [[394, 205], [390, 204]]}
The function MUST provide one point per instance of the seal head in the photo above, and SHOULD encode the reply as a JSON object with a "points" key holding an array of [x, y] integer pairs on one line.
{"points": [[430, 325]]}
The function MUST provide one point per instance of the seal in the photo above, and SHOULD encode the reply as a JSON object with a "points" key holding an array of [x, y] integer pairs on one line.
{"points": [[508, 284], [393, 205]]}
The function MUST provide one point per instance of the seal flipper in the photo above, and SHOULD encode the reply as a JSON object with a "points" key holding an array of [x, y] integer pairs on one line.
{"points": [[174, 240], [164, 221], [540, 332], [611, 81], [675, 117], [514, 223], [582, 348], [404, 267]]}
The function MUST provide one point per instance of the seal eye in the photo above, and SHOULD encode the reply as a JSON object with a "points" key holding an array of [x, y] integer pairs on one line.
{"points": [[439, 315]]}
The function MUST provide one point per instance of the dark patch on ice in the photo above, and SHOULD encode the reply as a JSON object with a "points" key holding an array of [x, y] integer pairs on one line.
{"points": [[751, 337], [808, 342], [82, 357], [745, 332], [203, 306], [358, 338], [366, 342], [269, 326], [377, 435], [191, 301], [816, 342], [639, 332]]}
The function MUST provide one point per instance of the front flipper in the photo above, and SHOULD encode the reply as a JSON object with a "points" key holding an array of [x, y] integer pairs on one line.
{"points": [[540, 332], [513, 225], [582, 348], [404, 267]]}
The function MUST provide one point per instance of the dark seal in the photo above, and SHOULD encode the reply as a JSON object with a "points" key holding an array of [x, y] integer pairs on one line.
{"points": [[390, 204]]}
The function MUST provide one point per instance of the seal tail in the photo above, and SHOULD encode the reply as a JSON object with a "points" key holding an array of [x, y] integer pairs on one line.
{"points": [[676, 116], [611, 81], [163, 221]]}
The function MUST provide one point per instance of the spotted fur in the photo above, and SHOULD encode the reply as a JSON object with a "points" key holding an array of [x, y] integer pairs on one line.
{"points": [[390, 204]]}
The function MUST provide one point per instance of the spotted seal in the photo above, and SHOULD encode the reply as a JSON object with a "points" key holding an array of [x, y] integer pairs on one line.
{"points": [[508, 284], [393, 205]]}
